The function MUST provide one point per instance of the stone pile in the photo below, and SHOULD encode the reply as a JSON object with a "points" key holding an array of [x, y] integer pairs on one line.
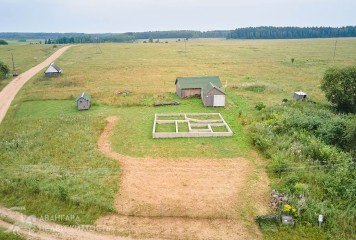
{"points": [[278, 199]]}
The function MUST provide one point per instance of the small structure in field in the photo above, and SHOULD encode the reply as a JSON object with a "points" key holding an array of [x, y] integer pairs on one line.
{"points": [[208, 87], [300, 95], [53, 71], [83, 101]]}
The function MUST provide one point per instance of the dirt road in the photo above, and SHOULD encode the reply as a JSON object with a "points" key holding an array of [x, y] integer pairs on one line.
{"points": [[9, 92], [34, 228]]}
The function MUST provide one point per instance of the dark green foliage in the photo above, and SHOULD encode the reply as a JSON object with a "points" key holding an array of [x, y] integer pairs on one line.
{"points": [[339, 85], [292, 32], [259, 106], [4, 69], [310, 147], [3, 42], [349, 137]]}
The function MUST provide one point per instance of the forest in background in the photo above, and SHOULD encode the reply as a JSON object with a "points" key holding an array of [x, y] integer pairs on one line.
{"points": [[239, 33]]}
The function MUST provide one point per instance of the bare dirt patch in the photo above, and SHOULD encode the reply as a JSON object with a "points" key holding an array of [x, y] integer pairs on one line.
{"points": [[185, 198]]}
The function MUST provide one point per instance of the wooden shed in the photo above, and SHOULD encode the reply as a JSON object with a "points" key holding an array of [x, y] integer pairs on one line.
{"points": [[191, 86], [212, 96], [300, 95], [53, 71], [83, 101]]}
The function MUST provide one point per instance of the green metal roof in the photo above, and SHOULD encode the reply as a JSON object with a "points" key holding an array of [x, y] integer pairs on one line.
{"points": [[198, 82], [84, 95], [210, 86]]}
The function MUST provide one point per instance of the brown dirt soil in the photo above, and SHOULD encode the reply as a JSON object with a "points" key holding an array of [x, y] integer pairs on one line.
{"points": [[186, 198], [34, 228]]}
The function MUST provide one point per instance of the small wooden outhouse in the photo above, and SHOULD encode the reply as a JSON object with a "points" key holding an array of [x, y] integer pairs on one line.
{"points": [[83, 101]]}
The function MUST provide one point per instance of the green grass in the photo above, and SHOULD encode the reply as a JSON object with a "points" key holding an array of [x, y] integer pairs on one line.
{"points": [[219, 129], [183, 127], [137, 128], [9, 236], [169, 127], [51, 163]]}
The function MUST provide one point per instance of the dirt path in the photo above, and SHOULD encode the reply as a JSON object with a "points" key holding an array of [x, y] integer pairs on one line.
{"points": [[185, 198], [9, 92], [34, 228]]}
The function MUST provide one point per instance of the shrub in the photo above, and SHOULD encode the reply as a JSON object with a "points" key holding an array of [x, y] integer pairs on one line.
{"points": [[259, 106], [4, 69], [339, 85], [3, 42]]}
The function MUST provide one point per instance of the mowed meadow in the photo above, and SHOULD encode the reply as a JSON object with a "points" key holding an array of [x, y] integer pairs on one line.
{"points": [[48, 150]]}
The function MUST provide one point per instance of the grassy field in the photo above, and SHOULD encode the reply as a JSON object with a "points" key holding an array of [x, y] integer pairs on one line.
{"points": [[9, 236], [25, 56], [50, 162]]}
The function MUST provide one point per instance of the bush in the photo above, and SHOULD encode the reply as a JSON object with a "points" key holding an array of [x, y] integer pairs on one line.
{"points": [[339, 85], [259, 106], [3, 42], [4, 69]]}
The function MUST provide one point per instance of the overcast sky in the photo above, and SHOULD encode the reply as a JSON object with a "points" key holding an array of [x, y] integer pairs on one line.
{"points": [[117, 16]]}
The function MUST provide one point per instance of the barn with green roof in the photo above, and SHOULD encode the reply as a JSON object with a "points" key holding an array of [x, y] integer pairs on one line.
{"points": [[209, 88]]}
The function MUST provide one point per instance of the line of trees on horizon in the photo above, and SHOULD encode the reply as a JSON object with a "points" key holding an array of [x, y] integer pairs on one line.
{"points": [[292, 32], [264, 32]]}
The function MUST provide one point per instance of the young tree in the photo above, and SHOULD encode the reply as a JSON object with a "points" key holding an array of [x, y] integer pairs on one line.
{"points": [[4, 69], [339, 85]]}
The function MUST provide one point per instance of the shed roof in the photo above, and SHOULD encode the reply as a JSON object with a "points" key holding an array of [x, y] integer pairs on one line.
{"points": [[198, 82], [300, 93], [211, 86], [53, 68], [84, 95]]}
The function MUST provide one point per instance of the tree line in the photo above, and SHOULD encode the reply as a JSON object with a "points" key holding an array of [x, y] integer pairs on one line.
{"points": [[292, 32], [240, 33]]}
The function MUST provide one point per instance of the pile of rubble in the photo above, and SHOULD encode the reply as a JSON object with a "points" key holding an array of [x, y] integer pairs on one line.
{"points": [[278, 199], [125, 92]]}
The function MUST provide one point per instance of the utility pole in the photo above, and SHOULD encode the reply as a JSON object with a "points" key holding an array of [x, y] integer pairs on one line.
{"points": [[14, 73], [335, 50]]}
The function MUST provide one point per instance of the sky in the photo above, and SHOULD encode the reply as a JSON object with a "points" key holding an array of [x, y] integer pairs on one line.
{"points": [[118, 16]]}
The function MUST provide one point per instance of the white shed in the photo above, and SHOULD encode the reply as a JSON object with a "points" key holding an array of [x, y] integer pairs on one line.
{"points": [[300, 95], [53, 71]]}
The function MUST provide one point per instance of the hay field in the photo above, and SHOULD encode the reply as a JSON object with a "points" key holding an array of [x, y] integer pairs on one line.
{"points": [[149, 70]]}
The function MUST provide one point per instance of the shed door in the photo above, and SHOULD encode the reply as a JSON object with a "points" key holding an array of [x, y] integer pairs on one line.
{"points": [[219, 100]]}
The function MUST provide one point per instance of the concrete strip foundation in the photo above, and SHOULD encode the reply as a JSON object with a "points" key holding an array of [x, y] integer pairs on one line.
{"points": [[197, 127]]}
